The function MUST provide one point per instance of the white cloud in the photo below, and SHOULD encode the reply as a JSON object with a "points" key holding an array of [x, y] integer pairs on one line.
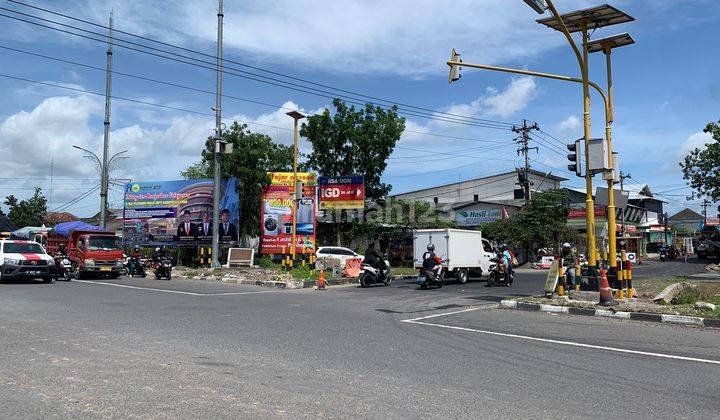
{"points": [[506, 103], [697, 140], [569, 125], [353, 36], [513, 99]]}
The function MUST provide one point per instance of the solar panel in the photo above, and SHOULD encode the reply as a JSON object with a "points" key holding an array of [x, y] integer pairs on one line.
{"points": [[594, 17], [611, 41]]}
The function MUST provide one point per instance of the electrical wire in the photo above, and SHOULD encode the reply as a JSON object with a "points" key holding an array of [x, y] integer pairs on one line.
{"points": [[244, 74], [242, 64], [190, 88]]}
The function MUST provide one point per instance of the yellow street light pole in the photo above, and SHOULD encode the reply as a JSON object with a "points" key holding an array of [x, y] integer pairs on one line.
{"points": [[296, 116], [583, 62]]}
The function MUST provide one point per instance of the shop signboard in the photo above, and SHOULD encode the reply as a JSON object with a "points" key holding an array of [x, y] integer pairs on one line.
{"points": [[276, 214], [342, 192], [477, 217]]}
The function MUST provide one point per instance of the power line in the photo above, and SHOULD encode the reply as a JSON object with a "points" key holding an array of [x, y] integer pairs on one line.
{"points": [[135, 76], [461, 120], [76, 199], [239, 63]]}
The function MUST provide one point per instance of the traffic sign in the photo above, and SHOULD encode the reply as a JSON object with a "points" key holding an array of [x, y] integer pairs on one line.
{"points": [[342, 192]]}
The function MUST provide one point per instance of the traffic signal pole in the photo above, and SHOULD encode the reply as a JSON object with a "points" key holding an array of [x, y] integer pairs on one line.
{"points": [[589, 201]]}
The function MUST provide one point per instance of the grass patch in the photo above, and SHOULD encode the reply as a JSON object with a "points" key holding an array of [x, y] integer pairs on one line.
{"points": [[405, 271], [702, 292], [652, 286]]}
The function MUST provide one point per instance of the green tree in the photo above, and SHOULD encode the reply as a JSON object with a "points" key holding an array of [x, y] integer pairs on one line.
{"points": [[539, 223], [701, 168], [28, 212], [253, 156], [354, 142]]}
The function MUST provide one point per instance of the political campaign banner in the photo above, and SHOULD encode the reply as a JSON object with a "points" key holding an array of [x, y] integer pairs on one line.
{"points": [[342, 192], [276, 214], [178, 212]]}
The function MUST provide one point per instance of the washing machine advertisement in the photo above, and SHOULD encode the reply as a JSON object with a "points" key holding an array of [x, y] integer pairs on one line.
{"points": [[277, 214]]}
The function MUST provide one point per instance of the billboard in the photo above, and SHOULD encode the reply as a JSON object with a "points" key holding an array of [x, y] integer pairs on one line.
{"points": [[342, 192], [178, 212], [276, 218]]}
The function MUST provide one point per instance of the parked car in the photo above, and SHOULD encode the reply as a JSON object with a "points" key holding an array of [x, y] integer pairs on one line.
{"points": [[343, 254], [25, 260]]}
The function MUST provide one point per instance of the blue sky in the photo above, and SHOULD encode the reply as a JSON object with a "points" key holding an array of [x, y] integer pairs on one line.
{"points": [[666, 86]]}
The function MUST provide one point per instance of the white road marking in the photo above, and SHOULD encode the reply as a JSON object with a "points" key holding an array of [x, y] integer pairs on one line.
{"points": [[179, 292], [551, 341]]}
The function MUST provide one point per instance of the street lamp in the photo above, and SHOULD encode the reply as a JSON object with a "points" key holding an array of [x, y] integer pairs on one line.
{"points": [[296, 116], [104, 179], [606, 45], [581, 21]]}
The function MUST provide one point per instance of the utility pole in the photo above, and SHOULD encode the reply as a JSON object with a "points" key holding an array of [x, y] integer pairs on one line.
{"points": [[623, 177], [218, 143], [705, 204], [52, 170], [106, 133], [523, 141]]}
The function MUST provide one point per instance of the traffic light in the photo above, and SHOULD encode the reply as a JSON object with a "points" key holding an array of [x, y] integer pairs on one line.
{"points": [[454, 68], [575, 157]]}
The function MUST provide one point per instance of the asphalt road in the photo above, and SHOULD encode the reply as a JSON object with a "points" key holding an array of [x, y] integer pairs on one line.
{"points": [[189, 349]]}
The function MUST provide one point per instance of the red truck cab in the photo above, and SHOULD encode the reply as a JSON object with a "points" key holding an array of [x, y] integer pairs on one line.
{"points": [[92, 252]]}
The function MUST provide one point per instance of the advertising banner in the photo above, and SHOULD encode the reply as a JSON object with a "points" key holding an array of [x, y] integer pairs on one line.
{"points": [[477, 217], [342, 192], [178, 212], [276, 216]]}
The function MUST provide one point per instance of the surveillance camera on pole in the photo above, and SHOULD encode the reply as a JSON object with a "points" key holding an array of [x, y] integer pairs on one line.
{"points": [[537, 5], [454, 68], [575, 157]]}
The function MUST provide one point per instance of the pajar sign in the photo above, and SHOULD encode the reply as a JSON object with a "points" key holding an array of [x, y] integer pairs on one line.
{"points": [[342, 192]]}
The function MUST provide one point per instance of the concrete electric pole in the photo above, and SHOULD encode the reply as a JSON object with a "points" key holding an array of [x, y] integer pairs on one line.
{"points": [[524, 141], [218, 143], [104, 172]]}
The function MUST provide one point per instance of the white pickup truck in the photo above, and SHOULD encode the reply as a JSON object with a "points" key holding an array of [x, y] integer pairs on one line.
{"points": [[465, 252]]}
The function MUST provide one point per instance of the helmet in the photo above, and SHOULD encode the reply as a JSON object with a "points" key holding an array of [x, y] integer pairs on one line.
{"points": [[136, 247], [157, 249], [502, 247], [371, 244], [431, 247], [566, 245]]}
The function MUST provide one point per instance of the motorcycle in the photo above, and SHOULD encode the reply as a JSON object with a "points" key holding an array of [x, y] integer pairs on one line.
{"points": [[430, 278], [135, 266], [63, 266], [370, 275], [498, 274], [163, 269]]}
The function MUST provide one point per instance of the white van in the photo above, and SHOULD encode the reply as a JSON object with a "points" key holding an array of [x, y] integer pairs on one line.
{"points": [[465, 252]]}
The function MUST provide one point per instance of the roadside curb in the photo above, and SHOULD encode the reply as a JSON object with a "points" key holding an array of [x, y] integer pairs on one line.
{"points": [[608, 313]]}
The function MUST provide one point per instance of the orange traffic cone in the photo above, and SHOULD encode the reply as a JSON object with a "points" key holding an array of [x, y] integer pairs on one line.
{"points": [[606, 295], [321, 281]]}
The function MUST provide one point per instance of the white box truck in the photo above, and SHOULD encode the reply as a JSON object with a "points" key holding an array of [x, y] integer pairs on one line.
{"points": [[465, 252]]}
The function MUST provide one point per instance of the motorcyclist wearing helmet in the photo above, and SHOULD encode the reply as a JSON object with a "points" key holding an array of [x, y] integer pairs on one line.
{"points": [[569, 259], [135, 258], [504, 255], [157, 256], [374, 259], [60, 253], [432, 262]]}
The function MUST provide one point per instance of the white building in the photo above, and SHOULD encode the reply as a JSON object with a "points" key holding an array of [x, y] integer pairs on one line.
{"points": [[500, 188]]}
